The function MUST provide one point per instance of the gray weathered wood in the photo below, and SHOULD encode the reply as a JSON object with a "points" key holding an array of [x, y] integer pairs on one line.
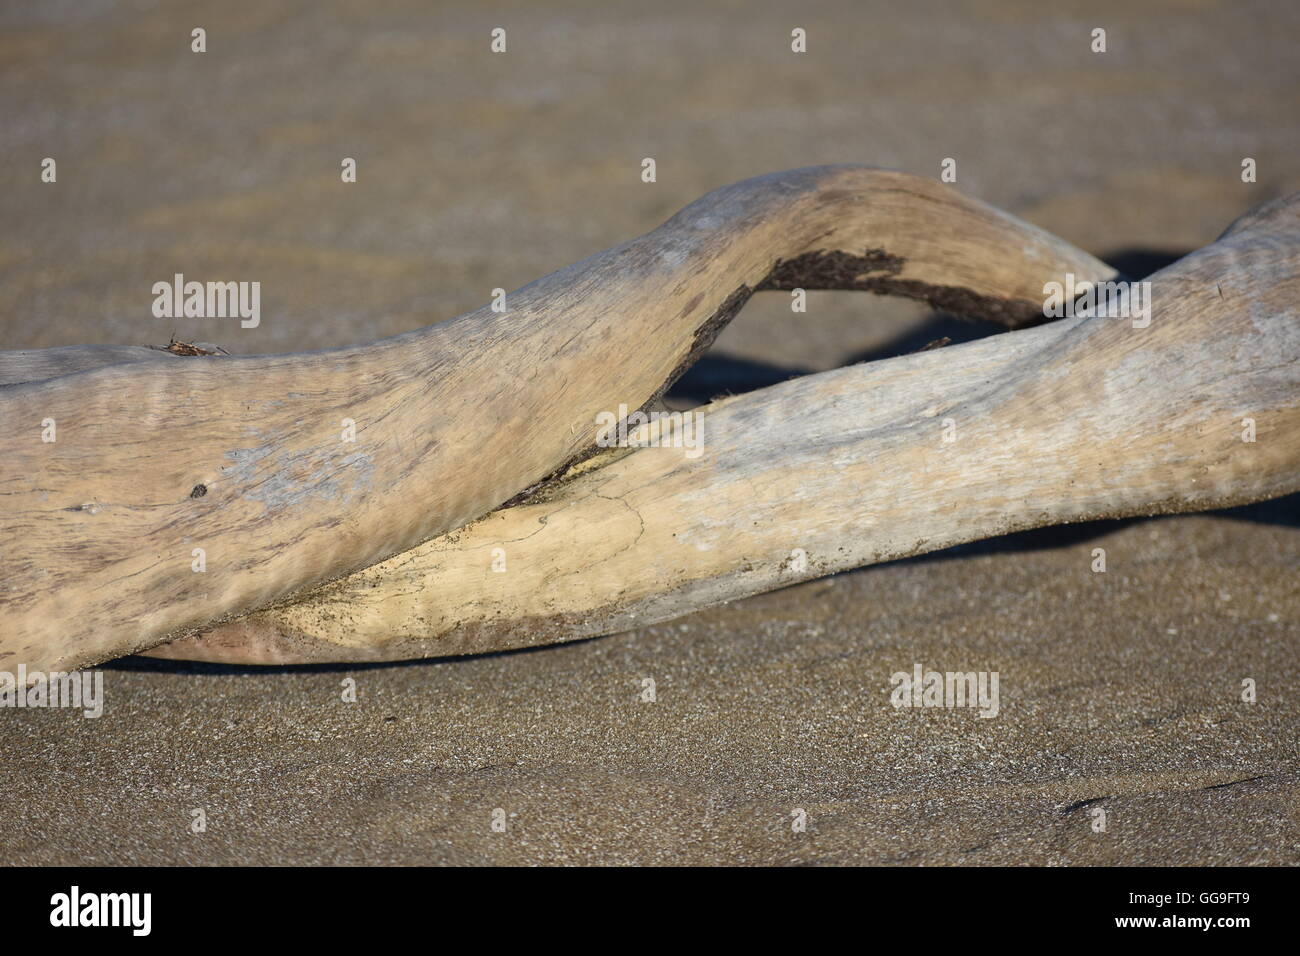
{"points": [[242, 457], [1079, 419]]}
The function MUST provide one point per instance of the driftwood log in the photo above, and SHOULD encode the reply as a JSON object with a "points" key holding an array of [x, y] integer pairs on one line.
{"points": [[1079, 419], [157, 455]]}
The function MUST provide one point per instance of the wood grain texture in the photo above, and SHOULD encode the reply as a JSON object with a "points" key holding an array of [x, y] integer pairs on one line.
{"points": [[1080, 419], [242, 457]]}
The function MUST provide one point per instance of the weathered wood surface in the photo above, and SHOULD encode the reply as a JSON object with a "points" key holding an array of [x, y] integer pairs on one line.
{"points": [[1079, 419], [241, 456]]}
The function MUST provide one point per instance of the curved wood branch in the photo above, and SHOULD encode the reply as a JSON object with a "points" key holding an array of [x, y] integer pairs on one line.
{"points": [[157, 456], [1081, 419]]}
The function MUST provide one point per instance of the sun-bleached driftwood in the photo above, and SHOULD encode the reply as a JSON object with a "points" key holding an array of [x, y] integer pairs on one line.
{"points": [[1080, 419], [160, 463]]}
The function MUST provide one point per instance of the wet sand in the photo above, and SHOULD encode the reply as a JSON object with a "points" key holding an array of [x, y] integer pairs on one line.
{"points": [[1119, 691]]}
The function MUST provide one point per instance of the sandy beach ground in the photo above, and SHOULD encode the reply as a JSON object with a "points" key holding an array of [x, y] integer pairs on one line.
{"points": [[1120, 692]]}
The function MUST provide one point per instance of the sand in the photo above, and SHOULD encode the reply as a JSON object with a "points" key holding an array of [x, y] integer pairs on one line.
{"points": [[1120, 691]]}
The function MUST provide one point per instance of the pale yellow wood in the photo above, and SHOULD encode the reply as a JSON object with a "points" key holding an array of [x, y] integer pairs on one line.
{"points": [[1076, 420], [242, 457]]}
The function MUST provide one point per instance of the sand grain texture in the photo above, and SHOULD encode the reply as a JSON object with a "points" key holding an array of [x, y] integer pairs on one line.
{"points": [[478, 172]]}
